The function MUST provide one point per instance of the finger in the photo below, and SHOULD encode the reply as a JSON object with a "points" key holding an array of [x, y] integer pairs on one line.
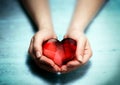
{"points": [[80, 49], [85, 59], [31, 49], [48, 68], [63, 69], [48, 61], [73, 63], [88, 53], [37, 46], [88, 49], [29, 46], [70, 66], [45, 67]]}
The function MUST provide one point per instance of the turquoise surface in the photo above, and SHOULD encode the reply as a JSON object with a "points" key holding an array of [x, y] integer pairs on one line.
{"points": [[16, 30]]}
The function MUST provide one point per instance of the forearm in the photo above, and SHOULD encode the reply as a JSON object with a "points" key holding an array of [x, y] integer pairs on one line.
{"points": [[40, 13], [84, 12]]}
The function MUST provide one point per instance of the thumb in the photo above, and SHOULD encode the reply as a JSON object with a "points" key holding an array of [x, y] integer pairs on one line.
{"points": [[37, 47]]}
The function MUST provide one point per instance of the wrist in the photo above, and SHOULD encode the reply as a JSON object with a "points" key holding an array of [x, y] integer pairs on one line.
{"points": [[45, 27], [79, 25], [77, 29]]}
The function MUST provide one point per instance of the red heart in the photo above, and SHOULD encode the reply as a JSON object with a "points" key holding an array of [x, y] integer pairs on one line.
{"points": [[60, 52]]}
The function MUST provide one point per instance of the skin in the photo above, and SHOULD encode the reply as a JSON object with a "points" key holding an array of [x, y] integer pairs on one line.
{"points": [[83, 14]]}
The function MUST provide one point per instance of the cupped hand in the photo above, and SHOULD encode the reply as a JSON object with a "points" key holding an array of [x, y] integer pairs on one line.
{"points": [[83, 51], [35, 50]]}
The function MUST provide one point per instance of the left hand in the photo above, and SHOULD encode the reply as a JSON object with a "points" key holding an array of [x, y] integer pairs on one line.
{"points": [[83, 50]]}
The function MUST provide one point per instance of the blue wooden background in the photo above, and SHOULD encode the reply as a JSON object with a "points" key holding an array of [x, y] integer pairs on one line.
{"points": [[16, 30]]}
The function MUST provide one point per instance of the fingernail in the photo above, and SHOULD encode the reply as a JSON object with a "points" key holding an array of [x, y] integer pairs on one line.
{"points": [[38, 54], [80, 58]]}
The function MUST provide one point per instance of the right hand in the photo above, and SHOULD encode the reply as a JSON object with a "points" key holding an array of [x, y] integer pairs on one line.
{"points": [[35, 50]]}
